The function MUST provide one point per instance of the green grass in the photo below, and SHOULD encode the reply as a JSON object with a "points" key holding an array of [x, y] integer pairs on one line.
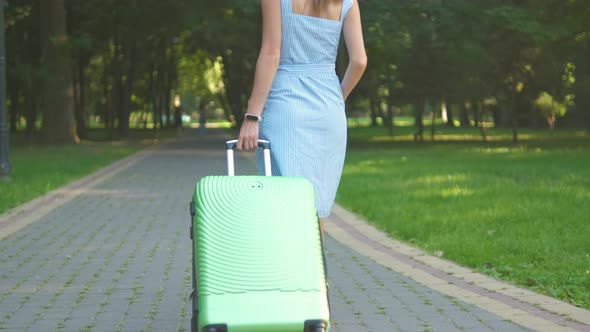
{"points": [[516, 211], [38, 169], [519, 212]]}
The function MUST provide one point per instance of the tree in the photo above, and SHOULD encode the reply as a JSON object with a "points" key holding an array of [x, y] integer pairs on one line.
{"points": [[57, 91], [23, 69], [122, 58]]}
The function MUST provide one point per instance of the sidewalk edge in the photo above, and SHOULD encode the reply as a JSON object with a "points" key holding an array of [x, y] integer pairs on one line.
{"points": [[454, 280], [31, 211]]}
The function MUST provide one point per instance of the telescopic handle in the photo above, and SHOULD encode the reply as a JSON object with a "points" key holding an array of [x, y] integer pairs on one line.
{"points": [[231, 146]]}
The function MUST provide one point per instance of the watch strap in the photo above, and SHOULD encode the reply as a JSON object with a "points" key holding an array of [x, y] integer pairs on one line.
{"points": [[252, 117]]}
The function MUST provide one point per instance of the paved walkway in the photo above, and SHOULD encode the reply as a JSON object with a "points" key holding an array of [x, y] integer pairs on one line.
{"points": [[112, 253]]}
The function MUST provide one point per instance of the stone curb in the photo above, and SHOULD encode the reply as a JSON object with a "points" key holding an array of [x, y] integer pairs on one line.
{"points": [[529, 309], [27, 213]]}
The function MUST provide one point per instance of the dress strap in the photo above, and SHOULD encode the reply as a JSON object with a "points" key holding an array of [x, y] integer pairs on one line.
{"points": [[346, 6], [286, 7]]}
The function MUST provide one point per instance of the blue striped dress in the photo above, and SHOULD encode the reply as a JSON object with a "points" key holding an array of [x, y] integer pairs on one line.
{"points": [[304, 116]]}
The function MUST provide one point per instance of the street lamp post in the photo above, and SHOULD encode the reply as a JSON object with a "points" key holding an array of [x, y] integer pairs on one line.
{"points": [[5, 167]]}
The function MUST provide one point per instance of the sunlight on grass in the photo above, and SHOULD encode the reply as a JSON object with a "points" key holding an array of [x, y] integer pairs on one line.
{"points": [[501, 150], [399, 138], [368, 166], [509, 150], [400, 121], [518, 212], [222, 124], [456, 192], [442, 193], [438, 179], [448, 138]]}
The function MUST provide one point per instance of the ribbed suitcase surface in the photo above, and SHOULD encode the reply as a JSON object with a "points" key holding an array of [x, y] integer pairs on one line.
{"points": [[258, 254]]}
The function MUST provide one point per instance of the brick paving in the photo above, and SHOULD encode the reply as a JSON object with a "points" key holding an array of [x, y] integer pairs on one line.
{"points": [[116, 257]]}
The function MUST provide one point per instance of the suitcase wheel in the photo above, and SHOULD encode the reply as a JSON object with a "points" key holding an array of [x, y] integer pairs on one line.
{"points": [[194, 324], [315, 326], [215, 328]]}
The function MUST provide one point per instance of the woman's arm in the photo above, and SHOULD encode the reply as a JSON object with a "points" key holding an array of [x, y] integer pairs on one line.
{"points": [[353, 36], [266, 68]]}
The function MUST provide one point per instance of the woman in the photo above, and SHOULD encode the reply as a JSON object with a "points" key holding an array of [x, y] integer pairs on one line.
{"points": [[297, 101]]}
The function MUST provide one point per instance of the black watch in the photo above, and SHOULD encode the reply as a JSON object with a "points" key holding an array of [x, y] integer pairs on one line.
{"points": [[252, 117]]}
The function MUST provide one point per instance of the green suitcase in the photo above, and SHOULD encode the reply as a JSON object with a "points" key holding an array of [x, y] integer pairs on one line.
{"points": [[258, 263]]}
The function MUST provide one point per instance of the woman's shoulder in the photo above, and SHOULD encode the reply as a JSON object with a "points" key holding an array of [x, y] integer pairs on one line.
{"points": [[346, 6]]}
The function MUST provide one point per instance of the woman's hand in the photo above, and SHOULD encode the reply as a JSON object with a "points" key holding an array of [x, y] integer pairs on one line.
{"points": [[248, 138]]}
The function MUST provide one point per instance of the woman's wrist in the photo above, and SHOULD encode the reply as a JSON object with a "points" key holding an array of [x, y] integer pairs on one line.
{"points": [[252, 117]]}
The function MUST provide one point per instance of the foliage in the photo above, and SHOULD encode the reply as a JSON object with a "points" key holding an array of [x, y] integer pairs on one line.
{"points": [[549, 106], [132, 56]]}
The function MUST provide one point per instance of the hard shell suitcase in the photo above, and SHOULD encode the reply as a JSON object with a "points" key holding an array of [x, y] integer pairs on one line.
{"points": [[258, 262]]}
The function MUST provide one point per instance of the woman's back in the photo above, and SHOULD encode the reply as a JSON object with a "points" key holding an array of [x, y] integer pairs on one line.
{"points": [[308, 36], [329, 10], [299, 95]]}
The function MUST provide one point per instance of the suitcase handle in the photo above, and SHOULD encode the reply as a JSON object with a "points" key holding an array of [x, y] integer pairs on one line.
{"points": [[231, 146]]}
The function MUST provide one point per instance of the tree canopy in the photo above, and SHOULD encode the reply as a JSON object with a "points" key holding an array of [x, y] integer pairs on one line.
{"points": [[72, 63]]}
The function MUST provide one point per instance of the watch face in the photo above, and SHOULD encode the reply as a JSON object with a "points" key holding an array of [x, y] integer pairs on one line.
{"points": [[252, 117]]}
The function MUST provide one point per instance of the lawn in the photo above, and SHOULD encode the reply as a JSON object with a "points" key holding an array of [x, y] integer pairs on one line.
{"points": [[519, 212], [38, 169]]}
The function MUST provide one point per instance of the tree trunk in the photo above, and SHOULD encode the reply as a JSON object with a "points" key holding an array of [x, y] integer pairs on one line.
{"points": [[80, 99], [152, 89], [374, 99], [58, 114], [168, 99], [391, 108], [172, 78], [586, 81], [450, 116], [130, 64], [129, 52], [15, 106], [551, 119], [535, 114], [419, 122], [117, 90], [513, 118], [155, 83], [76, 91], [464, 115], [161, 100], [496, 117], [391, 119], [232, 72], [506, 114], [433, 119], [482, 127], [32, 107], [514, 131], [106, 96], [374, 110], [476, 115], [386, 116], [225, 106], [83, 113]]}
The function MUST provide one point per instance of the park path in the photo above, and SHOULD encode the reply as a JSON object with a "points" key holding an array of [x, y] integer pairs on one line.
{"points": [[111, 252]]}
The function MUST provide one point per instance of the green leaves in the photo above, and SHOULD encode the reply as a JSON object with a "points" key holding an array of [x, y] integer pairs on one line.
{"points": [[456, 50]]}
